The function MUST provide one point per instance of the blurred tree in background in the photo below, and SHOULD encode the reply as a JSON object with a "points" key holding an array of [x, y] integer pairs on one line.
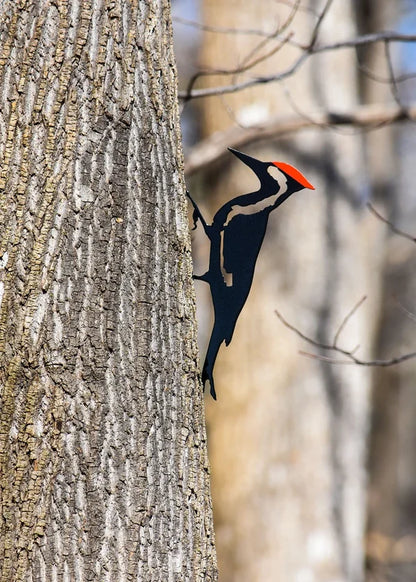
{"points": [[312, 461]]}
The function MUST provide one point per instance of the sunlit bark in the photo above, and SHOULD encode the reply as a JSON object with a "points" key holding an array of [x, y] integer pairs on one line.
{"points": [[104, 471]]}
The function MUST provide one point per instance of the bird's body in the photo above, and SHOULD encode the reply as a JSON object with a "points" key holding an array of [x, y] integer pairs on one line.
{"points": [[236, 236]]}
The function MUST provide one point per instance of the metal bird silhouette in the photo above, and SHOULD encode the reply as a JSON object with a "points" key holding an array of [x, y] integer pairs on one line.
{"points": [[236, 235]]}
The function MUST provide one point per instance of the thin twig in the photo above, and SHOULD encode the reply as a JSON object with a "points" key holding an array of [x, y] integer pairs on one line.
{"points": [[295, 7], [327, 359], [365, 70], [308, 52], [365, 39], [346, 319], [409, 314], [317, 26], [349, 354], [392, 227], [393, 82], [353, 360], [249, 62], [239, 69], [220, 29], [300, 334]]}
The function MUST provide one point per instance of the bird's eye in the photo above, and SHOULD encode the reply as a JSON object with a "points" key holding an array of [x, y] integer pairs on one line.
{"points": [[278, 176]]}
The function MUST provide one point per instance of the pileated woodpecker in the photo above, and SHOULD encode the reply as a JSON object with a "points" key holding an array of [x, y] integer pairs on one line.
{"points": [[236, 235]]}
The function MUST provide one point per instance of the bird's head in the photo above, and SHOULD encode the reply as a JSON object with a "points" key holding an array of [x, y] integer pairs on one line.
{"points": [[294, 179]]}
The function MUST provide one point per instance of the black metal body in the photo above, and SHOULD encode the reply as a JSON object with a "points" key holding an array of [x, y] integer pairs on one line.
{"points": [[236, 239]]}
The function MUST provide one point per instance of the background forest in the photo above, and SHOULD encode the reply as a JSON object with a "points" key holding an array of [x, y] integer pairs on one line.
{"points": [[312, 453]]}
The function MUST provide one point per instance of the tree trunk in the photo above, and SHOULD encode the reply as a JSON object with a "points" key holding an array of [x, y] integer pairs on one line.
{"points": [[392, 462], [104, 471], [288, 434]]}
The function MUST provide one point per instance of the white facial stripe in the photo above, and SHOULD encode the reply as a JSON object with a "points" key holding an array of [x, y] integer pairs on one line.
{"points": [[279, 177], [252, 209], [228, 277]]}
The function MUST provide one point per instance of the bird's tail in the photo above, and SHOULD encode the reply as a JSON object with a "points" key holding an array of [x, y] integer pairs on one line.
{"points": [[208, 368], [207, 375]]}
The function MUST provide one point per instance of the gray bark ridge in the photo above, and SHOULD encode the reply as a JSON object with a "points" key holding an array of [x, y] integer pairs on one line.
{"points": [[104, 469]]}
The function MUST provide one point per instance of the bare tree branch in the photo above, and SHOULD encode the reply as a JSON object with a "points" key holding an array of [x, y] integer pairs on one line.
{"points": [[279, 31], [353, 360], [365, 39], [392, 77], [221, 29], [240, 31], [381, 79], [249, 61], [198, 93], [245, 66], [408, 313], [392, 227], [308, 51], [315, 31], [214, 148], [350, 358], [347, 318]]}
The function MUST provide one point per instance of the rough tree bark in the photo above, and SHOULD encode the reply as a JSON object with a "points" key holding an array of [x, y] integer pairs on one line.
{"points": [[104, 472]]}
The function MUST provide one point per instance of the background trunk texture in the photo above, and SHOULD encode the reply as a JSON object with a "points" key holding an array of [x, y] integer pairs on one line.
{"points": [[288, 434], [104, 471], [392, 460]]}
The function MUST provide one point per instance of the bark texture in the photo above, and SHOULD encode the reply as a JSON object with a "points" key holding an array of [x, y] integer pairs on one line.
{"points": [[104, 471]]}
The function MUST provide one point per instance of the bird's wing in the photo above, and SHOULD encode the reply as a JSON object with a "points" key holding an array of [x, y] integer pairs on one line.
{"points": [[242, 241]]}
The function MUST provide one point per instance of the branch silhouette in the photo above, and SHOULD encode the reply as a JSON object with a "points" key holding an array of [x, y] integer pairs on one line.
{"points": [[349, 355], [251, 60], [307, 51], [367, 117], [392, 226]]}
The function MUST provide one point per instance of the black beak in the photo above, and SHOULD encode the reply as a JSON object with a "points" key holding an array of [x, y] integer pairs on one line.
{"points": [[255, 165]]}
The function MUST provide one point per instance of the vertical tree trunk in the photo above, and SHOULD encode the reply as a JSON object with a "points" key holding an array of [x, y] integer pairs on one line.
{"points": [[392, 463], [104, 472]]}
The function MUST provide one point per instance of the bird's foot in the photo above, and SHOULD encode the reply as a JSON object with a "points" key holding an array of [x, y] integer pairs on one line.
{"points": [[208, 378]]}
